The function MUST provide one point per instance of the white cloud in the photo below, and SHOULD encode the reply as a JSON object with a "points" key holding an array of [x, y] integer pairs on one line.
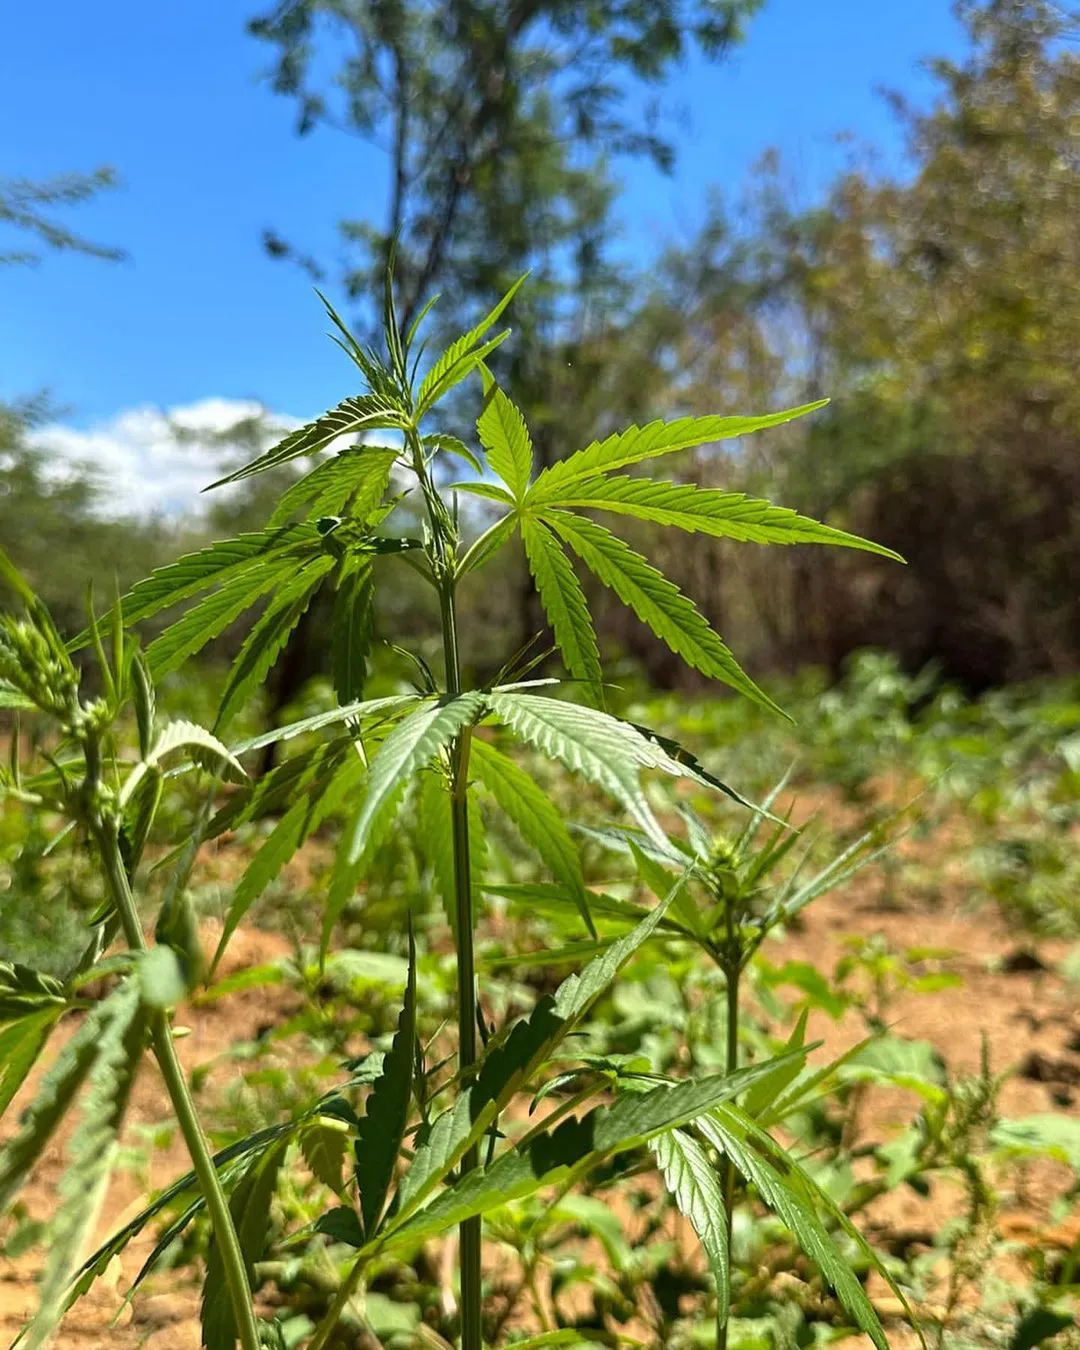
{"points": [[151, 461]]}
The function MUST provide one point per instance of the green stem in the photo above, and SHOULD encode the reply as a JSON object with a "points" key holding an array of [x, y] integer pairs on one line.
{"points": [[342, 1299], [176, 1084], [470, 1231], [732, 971]]}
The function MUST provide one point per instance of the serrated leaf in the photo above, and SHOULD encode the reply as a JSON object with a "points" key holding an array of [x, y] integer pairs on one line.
{"points": [[657, 602], [565, 606], [55, 1094], [459, 371], [382, 1129], [24, 990], [324, 1144], [362, 710], [186, 1185], [352, 631], [20, 1045], [275, 791], [637, 444], [92, 1151], [534, 815], [809, 1087], [446, 372], [347, 872], [305, 815], [356, 478], [353, 415], [697, 510], [765, 1093], [659, 880], [786, 1188], [695, 1187], [487, 545], [250, 1209], [556, 900], [202, 745], [453, 445], [511, 1060], [571, 1149], [641, 745], [490, 491], [212, 566], [505, 437], [599, 748], [269, 635], [341, 1224], [578, 992], [684, 763], [213, 615], [413, 743]]}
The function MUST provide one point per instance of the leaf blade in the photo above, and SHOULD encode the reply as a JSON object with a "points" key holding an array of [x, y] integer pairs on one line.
{"points": [[565, 606], [367, 412], [505, 437], [414, 742], [692, 1181], [382, 1129], [657, 602], [537, 819], [698, 510], [269, 635], [637, 444]]}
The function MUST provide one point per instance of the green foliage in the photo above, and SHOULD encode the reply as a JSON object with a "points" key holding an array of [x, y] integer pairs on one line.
{"points": [[436, 1144], [249, 1205], [26, 206], [93, 1152], [693, 1180], [380, 1133]]}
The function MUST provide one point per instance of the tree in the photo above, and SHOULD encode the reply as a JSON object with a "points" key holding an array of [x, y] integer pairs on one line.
{"points": [[941, 312], [51, 524], [25, 206], [502, 121], [499, 118]]}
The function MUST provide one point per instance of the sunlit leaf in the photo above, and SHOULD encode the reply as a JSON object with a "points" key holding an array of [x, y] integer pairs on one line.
{"points": [[636, 444], [656, 601]]}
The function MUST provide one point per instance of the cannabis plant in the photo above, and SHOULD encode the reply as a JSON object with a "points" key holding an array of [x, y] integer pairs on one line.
{"points": [[111, 800], [419, 1128]]}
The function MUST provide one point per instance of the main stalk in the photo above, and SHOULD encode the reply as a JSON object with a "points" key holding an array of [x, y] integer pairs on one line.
{"points": [[731, 963], [470, 1230], [444, 569]]}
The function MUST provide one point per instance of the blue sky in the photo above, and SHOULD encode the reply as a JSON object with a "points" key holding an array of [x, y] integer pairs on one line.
{"points": [[170, 95]]}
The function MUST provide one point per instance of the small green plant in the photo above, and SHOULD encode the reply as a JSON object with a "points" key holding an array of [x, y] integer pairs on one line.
{"points": [[434, 1143], [86, 780]]}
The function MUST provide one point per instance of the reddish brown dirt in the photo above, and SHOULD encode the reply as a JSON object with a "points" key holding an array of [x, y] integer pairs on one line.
{"points": [[1029, 1017]]}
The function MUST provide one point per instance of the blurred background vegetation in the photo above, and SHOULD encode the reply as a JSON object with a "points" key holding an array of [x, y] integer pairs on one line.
{"points": [[938, 309]]}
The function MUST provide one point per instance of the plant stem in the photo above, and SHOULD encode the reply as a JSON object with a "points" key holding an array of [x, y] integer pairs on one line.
{"points": [[470, 1230], [176, 1084], [342, 1299], [445, 564], [732, 971]]}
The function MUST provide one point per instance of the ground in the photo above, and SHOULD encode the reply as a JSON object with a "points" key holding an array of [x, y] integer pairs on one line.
{"points": [[1025, 1010]]}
